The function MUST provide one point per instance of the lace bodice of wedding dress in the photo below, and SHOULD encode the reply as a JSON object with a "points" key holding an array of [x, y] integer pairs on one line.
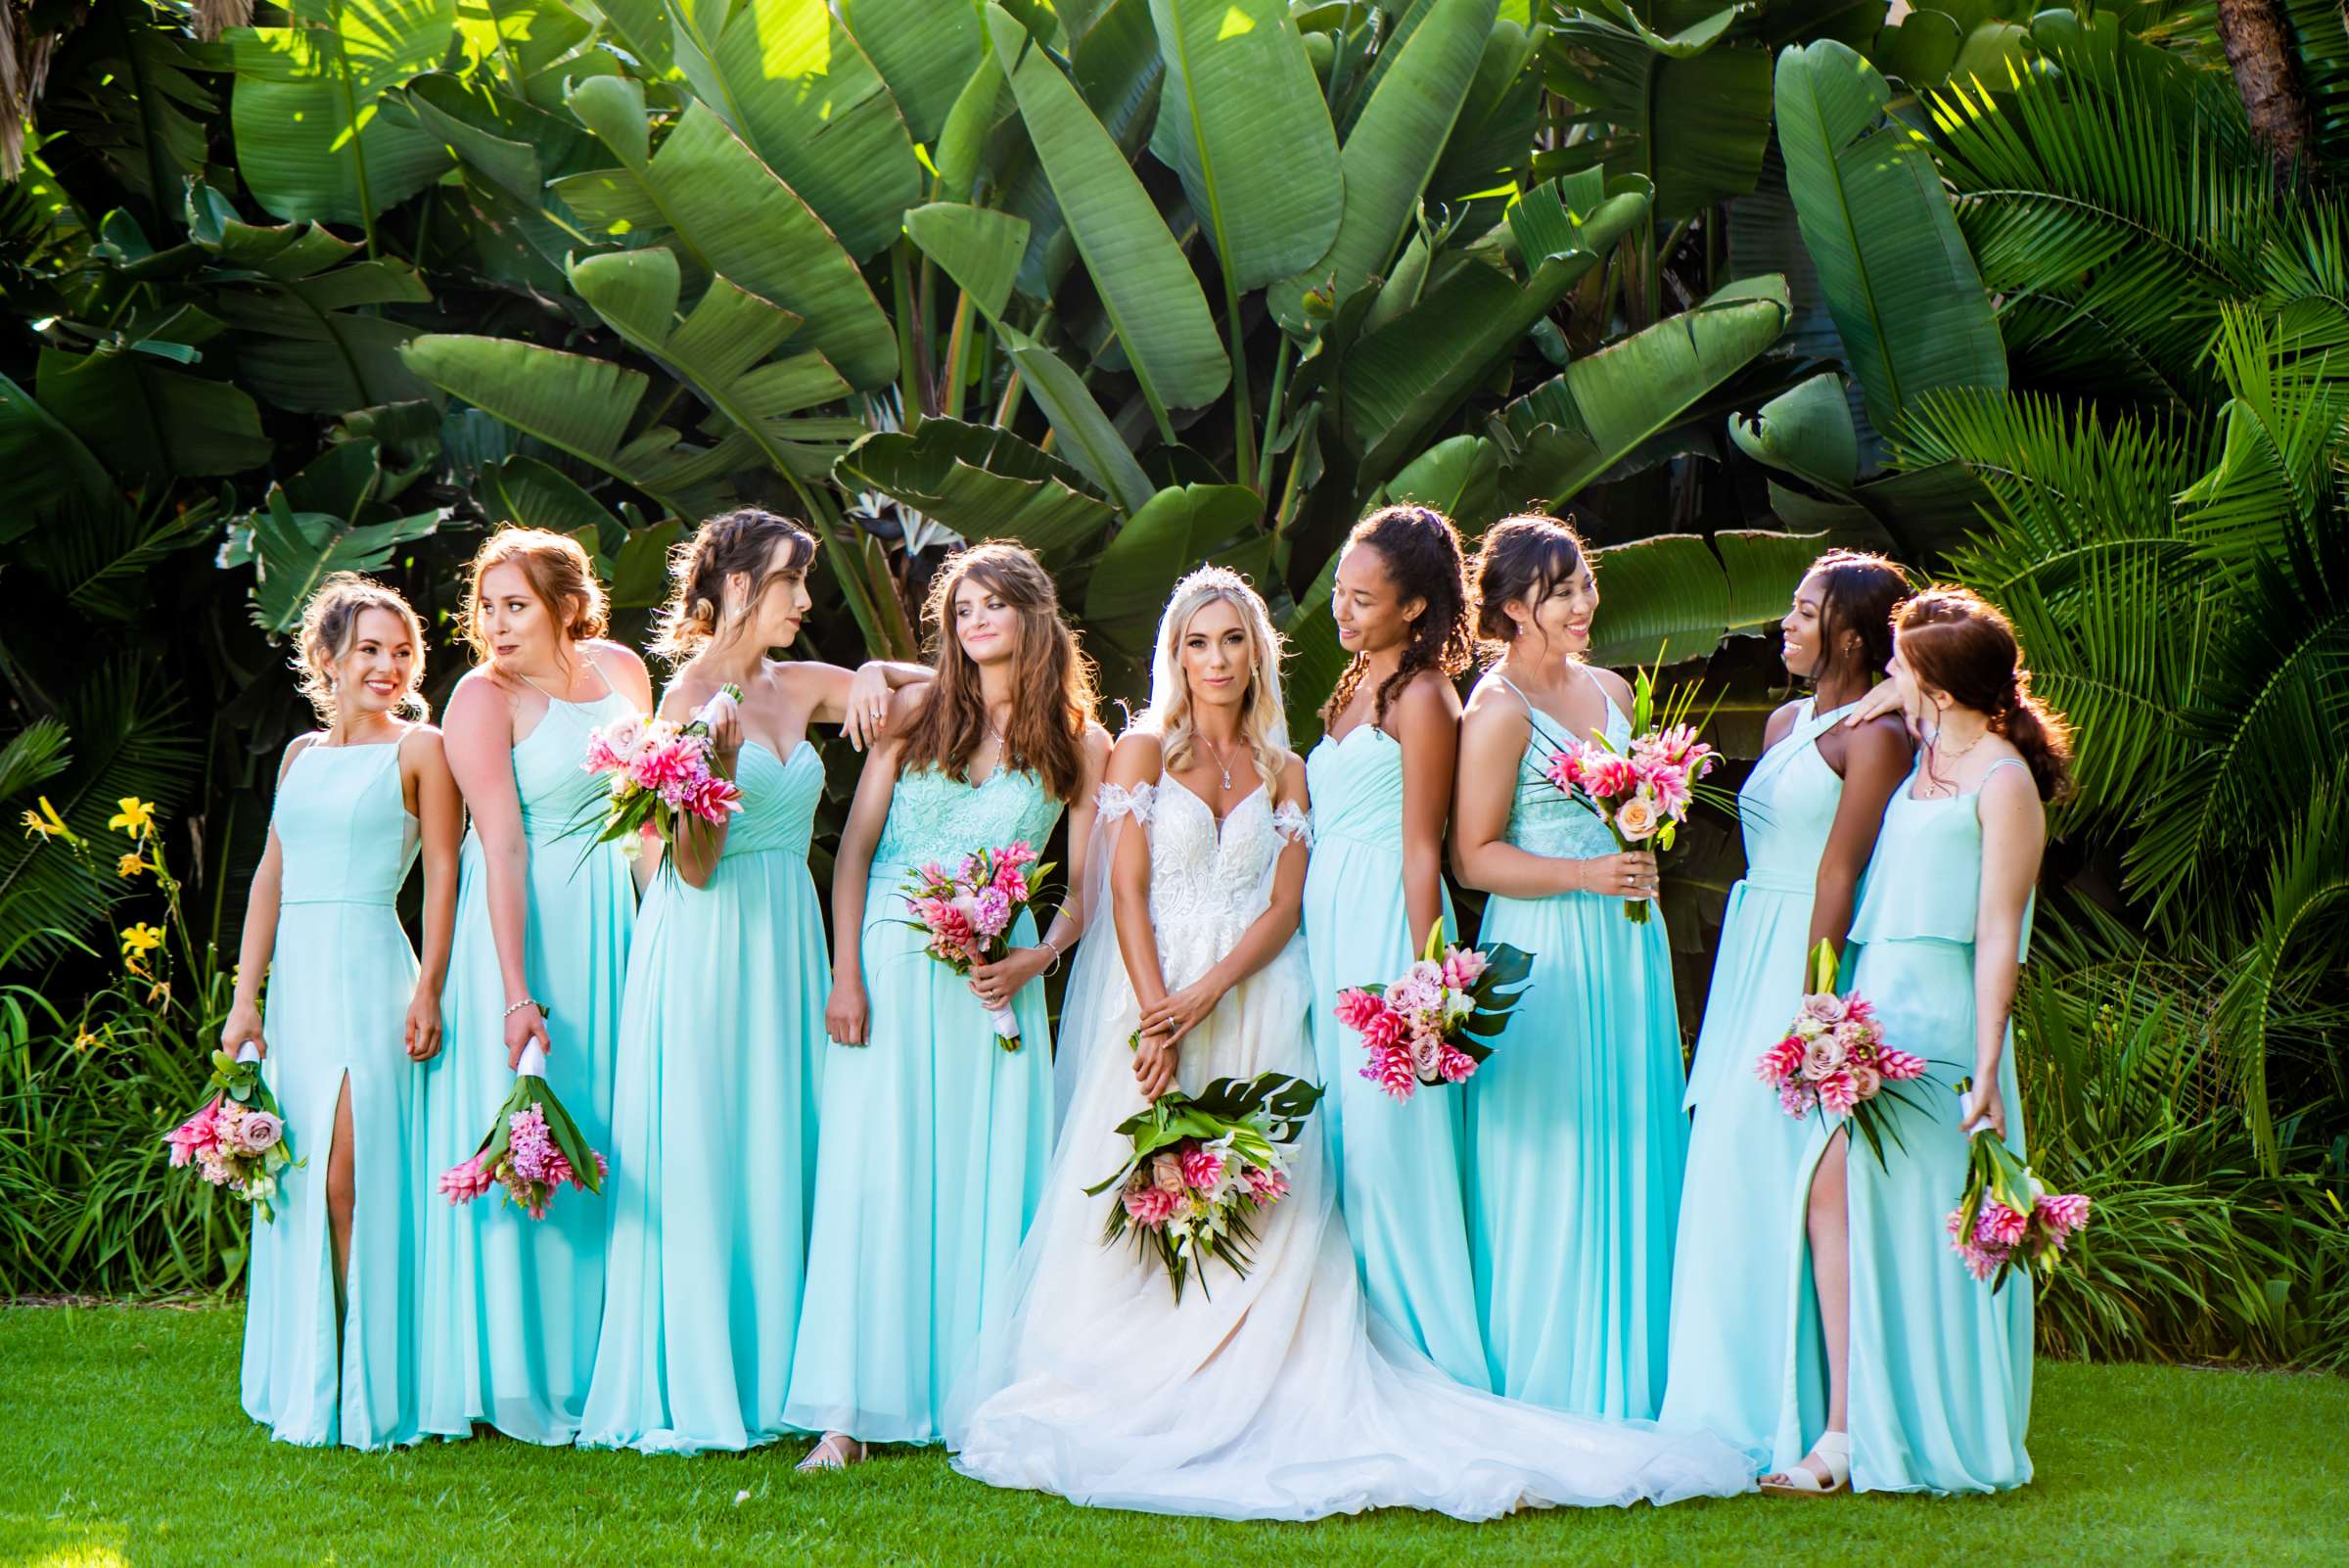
{"points": [[1209, 880]]}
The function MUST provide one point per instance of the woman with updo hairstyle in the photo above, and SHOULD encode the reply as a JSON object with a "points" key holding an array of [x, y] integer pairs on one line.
{"points": [[1809, 811], [721, 1036], [1936, 1368], [331, 1294], [1575, 1132], [1380, 779], [937, 1124], [544, 915]]}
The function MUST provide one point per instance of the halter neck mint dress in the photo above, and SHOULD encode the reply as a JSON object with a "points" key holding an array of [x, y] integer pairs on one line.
{"points": [[1398, 1166], [721, 1041], [1940, 1386], [341, 977], [1742, 1209], [511, 1305], [935, 1139], [1575, 1135]]}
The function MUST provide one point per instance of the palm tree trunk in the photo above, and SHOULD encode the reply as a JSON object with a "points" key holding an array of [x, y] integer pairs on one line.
{"points": [[2267, 73]]}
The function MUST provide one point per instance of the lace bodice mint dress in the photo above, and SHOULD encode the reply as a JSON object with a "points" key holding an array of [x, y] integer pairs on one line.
{"points": [[934, 1140], [1739, 1226], [511, 1305], [341, 977], [1940, 1391], [1576, 1136], [722, 1049], [1398, 1164]]}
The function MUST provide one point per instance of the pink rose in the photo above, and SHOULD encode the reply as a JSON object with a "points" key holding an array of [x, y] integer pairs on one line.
{"points": [[1427, 1055], [1823, 1056], [1866, 1080], [258, 1132], [1638, 819], [1166, 1173], [1825, 1006]]}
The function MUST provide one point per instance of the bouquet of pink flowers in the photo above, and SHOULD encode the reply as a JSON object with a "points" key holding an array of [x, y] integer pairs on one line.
{"points": [[1833, 1060], [1642, 796], [2009, 1220], [1425, 1027], [1203, 1167], [967, 913], [662, 772], [238, 1139], [531, 1150]]}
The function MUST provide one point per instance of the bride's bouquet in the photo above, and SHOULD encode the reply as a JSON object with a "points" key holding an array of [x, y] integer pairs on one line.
{"points": [[1642, 796], [1832, 1060], [1203, 1167], [533, 1149], [1431, 1026], [967, 913], [2008, 1219], [238, 1139], [662, 772]]}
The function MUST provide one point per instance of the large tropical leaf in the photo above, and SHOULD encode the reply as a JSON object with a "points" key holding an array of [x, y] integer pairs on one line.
{"points": [[43, 465], [735, 216], [982, 482], [1671, 598], [1906, 299], [1145, 282], [790, 79], [127, 92], [312, 138], [1250, 134], [1689, 112], [1172, 533], [146, 420], [925, 50], [296, 551]]}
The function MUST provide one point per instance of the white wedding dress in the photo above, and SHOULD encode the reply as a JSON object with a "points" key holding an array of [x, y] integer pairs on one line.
{"points": [[1276, 1396]]}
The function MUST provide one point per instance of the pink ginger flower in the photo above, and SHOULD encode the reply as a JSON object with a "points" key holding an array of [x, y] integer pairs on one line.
{"points": [[950, 927], [1463, 967], [1010, 881], [198, 1134], [466, 1180], [1456, 1066], [1669, 784], [1999, 1225], [1202, 1169], [1900, 1066], [1838, 1093], [1606, 775], [2065, 1212], [1150, 1207], [714, 798], [1266, 1184], [1391, 1070], [1357, 1008], [1016, 853], [1565, 771], [1781, 1062]]}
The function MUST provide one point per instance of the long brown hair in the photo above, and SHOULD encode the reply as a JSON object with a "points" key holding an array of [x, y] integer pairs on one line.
{"points": [[1052, 700], [1421, 551], [560, 575], [1955, 641], [742, 540]]}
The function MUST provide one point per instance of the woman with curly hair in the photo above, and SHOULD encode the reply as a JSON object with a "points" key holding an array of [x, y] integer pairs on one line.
{"points": [[1380, 781]]}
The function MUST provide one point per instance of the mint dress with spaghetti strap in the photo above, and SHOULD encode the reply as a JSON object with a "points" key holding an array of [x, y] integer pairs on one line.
{"points": [[713, 1133], [1398, 1164], [1940, 1382], [1576, 1136], [341, 977], [1741, 1210], [510, 1305], [931, 1159]]}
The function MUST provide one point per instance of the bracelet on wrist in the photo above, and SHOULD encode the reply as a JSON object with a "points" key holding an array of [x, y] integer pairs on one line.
{"points": [[1056, 956], [527, 1002]]}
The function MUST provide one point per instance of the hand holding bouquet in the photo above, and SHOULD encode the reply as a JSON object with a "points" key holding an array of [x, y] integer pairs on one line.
{"points": [[1642, 796], [2009, 1220], [1425, 1027], [967, 914], [662, 772], [1834, 1059], [531, 1150], [1203, 1165], [238, 1139]]}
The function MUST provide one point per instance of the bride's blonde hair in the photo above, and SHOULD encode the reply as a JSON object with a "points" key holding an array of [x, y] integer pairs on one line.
{"points": [[1263, 725]]}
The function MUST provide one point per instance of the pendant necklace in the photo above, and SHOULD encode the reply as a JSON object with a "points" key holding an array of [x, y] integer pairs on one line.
{"points": [[1221, 767]]}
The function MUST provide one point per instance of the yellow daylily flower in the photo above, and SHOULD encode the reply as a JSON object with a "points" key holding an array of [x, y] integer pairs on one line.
{"points": [[136, 818], [141, 938], [47, 822], [131, 865], [85, 1041]]}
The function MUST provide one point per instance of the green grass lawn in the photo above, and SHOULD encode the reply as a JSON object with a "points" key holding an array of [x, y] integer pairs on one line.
{"points": [[123, 1443]]}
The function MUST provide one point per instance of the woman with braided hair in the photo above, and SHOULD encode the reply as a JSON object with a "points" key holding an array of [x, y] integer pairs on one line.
{"points": [[1381, 786]]}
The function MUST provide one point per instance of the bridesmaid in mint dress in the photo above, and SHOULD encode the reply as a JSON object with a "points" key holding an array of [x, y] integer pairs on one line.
{"points": [[330, 1306], [1576, 1133], [1809, 809], [933, 1137], [723, 1028], [1939, 1368], [510, 1305], [1380, 780]]}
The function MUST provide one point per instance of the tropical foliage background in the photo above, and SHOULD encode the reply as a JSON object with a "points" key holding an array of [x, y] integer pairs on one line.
{"points": [[2041, 302]]}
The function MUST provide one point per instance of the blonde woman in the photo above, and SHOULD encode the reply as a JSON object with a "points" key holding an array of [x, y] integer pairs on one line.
{"points": [[329, 1298]]}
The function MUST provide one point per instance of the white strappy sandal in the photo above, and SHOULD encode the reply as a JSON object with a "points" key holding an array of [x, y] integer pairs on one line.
{"points": [[837, 1450], [1834, 1451]]}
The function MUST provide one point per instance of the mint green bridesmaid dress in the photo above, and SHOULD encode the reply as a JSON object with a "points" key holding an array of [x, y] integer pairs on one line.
{"points": [[933, 1140], [1575, 1135], [1398, 1166], [341, 977], [1742, 1204], [510, 1305], [721, 1040], [1940, 1388]]}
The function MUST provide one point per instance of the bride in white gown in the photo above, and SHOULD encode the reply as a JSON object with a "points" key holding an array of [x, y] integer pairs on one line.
{"points": [[1276, 1395]]}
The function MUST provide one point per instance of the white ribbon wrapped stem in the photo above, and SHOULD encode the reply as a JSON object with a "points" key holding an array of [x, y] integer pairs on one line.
{"points": [[532, 1063], [250, 1052]]}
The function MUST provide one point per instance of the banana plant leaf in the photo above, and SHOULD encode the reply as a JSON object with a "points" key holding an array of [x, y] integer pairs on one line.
{"points": [[144, 420], [1670, 597], [1173, 532], [981, 481], [293, 552], [925, 51]]}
